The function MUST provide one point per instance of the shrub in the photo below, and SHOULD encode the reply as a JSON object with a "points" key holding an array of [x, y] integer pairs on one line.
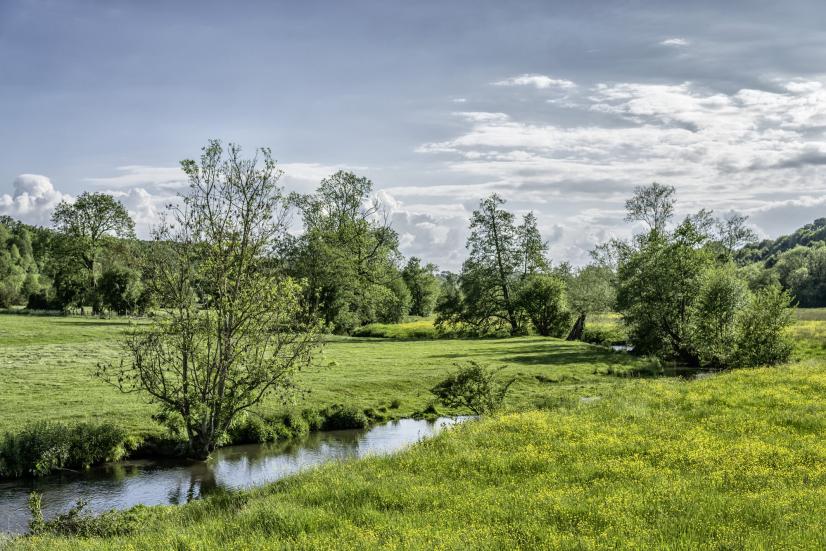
{"points": [[604, 334], [314, 418], [542, 297], [77, 522], [43, 447], [721, 296], [250, 429], [344, 417], [472, 387], [762, 337], [296, 424]]}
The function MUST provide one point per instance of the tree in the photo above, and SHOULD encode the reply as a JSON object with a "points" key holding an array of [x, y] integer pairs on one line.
{"points": [[722, 295], [762, 339], [542, 298], [590, 290], [657, 283], [652, 204], [348, 254], [473, 387], [232, 330], [532, 249], [423, 286], [88, 222], [733, 233], [488, 274], [682, 300], [122, 291]]}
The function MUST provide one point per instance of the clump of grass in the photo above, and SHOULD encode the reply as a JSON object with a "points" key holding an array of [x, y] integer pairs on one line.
{"points": [[338, 417]]}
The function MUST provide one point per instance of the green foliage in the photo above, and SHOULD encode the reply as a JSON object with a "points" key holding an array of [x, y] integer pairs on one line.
{"points": [[122, 291], [763, 338], [483, 300], [473, 387], [76, 522], [348, 256], [338, 417], [718, 307], [251, 429], [89, 223], [423, 286], [658, 281], [542, 298], [204, 366], [419, 329], [20, 275], [43, 447]]}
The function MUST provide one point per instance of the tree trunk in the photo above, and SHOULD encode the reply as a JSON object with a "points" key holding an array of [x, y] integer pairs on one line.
{"points": [[578, 329]]}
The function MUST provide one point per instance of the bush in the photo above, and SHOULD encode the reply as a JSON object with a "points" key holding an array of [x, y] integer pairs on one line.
{"points": [[762, 338], [472, 387], [76, 522], [296, 424], [721, 296], [314, 418], [43, 447], [344, 417], [250, 429], [542, 297], [604, 334]]}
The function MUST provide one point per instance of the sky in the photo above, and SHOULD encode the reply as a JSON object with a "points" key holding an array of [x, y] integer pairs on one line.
{"points": [[560, 107]]}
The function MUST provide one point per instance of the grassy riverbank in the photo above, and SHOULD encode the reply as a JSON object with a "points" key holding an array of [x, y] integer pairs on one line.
{"points": [[47, 364], [736, 461]]}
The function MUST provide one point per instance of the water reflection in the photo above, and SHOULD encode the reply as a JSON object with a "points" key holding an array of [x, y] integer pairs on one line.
{"points": [[126, 484]]}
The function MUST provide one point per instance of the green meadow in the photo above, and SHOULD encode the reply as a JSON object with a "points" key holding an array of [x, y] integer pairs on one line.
{"points": [[47, 369], [735, 460]]}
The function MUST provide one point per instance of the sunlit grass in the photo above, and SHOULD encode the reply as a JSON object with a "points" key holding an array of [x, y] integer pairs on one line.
{"points": [[47, 372], [736, 461]]}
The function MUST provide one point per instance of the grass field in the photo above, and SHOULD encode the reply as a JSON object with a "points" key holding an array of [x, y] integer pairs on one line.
{"points": [[736, 461], [47, 364], [733, 461]]}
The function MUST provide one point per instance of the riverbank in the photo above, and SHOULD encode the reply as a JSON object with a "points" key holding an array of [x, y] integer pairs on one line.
{"points": [[733, 461]]}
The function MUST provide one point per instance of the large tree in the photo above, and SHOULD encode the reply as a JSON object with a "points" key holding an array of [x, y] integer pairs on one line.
{"points": [[88, 223], [231, 331], [489, 273], [348, 254]]}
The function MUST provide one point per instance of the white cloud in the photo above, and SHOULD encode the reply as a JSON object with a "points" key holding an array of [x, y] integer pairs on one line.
{"points": [[145, 176], [675, 42], [33, 199], [537, 81], [750, 150], [459, 100]]}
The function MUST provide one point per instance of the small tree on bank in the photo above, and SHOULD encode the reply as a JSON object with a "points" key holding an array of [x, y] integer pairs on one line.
{"points": [[231, 332], [473, 387]]}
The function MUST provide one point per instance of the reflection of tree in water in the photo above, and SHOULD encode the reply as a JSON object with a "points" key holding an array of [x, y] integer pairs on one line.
{"points": [[201, 482], [316, 445]]}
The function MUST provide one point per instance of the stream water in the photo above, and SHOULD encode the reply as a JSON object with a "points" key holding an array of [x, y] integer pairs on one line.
{"points": [[128, 483]]}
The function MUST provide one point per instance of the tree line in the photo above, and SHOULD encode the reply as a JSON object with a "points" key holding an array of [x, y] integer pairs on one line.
{"points": [[347, 258], [239, 304]]}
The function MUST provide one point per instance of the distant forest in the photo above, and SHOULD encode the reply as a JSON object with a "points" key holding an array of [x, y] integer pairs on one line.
{"points": [[355, 271], [796, 261]]}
